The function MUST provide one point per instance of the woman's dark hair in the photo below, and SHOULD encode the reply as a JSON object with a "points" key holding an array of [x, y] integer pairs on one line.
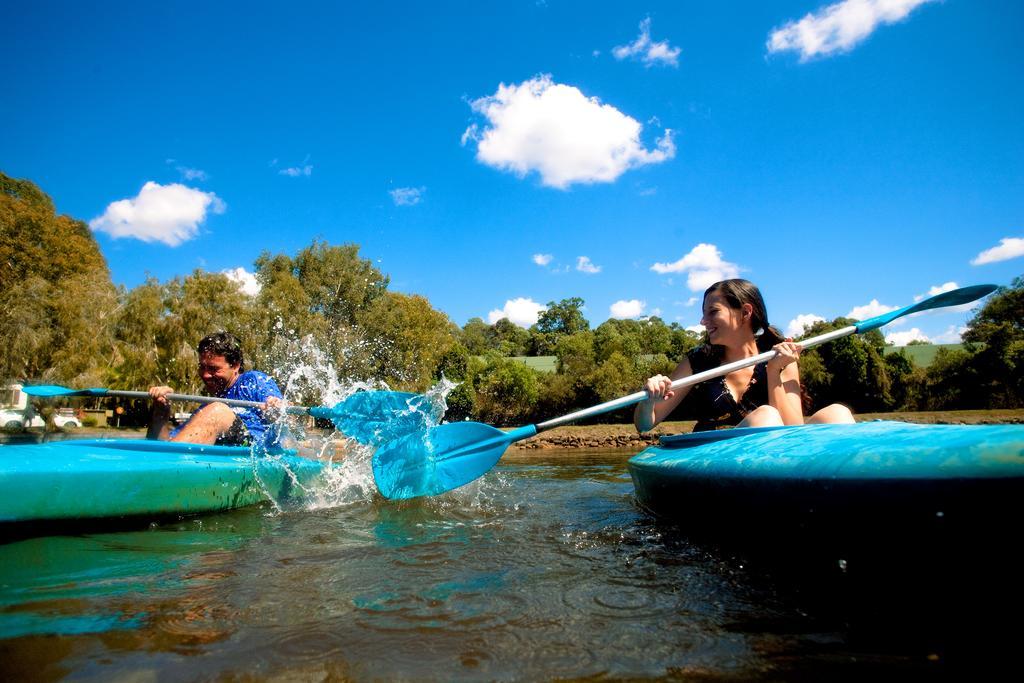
{"points": [[223, 344], [737, 292]]}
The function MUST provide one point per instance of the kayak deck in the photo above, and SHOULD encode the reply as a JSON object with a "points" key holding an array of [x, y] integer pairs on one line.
{"points": [[874, 469], [90, 479]]}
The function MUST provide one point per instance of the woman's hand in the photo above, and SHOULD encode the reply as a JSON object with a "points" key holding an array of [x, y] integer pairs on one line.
{"points": [[659, 388], [786, 352]]}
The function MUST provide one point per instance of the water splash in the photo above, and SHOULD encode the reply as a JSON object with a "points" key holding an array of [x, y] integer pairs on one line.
{"points": [[308, 376]]}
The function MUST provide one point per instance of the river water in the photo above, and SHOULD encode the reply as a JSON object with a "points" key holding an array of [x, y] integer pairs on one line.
{"points": [[545, 569]]}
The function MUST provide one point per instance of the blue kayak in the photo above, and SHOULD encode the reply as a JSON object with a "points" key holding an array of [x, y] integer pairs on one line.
{"points": [[92, 479], [824, 473]]}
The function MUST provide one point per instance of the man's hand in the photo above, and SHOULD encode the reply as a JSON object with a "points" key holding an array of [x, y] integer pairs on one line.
{"points": [[274, 406], [159, 398]]}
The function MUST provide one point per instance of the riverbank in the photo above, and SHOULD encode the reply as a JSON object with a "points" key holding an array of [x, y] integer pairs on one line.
{"points": [[605, 436], [625, 436]]}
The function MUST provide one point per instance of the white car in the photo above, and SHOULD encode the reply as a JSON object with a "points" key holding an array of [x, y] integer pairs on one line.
{"points": [[16, 420]]}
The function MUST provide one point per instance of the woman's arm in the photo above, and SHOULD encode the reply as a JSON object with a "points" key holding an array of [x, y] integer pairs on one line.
{"points": [[661, 400], [784, 383]]}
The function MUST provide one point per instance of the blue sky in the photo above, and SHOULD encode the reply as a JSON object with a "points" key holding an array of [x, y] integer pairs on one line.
{"points": [[844, 156]]}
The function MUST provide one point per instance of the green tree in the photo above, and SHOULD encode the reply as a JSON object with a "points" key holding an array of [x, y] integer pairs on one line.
{"points": [[951, 382], [506, 392], [475, 336], [406, 339], [994, 337], [55, 291], [559, 319], [576, 356], [900, 369], [507, 338], [682, 341], [849, 370]]}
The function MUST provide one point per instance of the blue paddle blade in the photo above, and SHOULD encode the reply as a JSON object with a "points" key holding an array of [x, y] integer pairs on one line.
{"points": [[440, 459], [954, 297], [51, 390], [376, 417]]}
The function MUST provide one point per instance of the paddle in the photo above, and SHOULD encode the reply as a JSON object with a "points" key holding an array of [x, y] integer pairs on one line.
{"points": [[451, 455], [370, 417]]}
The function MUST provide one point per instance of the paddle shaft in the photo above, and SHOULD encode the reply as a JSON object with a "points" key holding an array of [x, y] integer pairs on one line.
{"points": [[293, 410], [691, 380]]}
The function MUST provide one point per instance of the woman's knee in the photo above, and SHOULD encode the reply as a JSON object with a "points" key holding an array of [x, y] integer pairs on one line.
{"points": [[763, 416], [836, 413]]}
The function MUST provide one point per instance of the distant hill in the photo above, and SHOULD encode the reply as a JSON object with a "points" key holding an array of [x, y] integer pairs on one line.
{"points": [[922, 354]]}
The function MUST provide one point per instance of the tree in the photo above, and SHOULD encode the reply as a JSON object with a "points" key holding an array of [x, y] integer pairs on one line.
{"points": [[340, 285], [849, 370], [559, 319], [575, 354], [475, 336], [616, 336], [507, 338], [995, 336], [506, 392], [406, 339], [55, 291], [900, 369]]}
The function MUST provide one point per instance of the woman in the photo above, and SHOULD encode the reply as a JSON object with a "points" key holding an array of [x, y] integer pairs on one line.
{"points": [[764, 395]]}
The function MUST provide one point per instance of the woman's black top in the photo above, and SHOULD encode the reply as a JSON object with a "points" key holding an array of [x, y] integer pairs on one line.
{"points": [[711, 401]]}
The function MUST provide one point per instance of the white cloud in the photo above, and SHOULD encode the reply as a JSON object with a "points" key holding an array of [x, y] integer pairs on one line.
{"points": [[1008, 248], [246, 281], [542, 259], [952, 335], [192, 173], [839, 26], [584, 265], [704, 267], [869, 310], [521, 311], [407, 196], [561, 134], [633, 308], [647, 51], [296, 171], [699, 329], [691, 301], [170, 214], [905, 337], [941, 289], [796, 326], [655, 313], [938, 289]]}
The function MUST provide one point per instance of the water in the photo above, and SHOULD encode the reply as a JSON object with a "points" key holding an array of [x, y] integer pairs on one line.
{"points": [[545, 569]]}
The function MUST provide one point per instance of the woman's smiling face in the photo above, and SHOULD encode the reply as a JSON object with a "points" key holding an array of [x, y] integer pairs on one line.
{"points": [[724, 323]]}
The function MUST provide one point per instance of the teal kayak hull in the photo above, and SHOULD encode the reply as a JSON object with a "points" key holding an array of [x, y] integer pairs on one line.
{"points": [[93, 479], [869, 469]]}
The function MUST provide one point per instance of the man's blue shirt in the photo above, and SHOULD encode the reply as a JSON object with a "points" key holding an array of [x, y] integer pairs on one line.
{"points": [[253, 385]]}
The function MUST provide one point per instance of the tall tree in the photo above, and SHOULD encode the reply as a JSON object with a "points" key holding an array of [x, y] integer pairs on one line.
{"points": [[559, 319], [406, 339], [995, 337], [55, 291]]}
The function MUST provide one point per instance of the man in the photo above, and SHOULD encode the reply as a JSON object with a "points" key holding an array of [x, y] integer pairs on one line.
{"points": [[222, 369]]}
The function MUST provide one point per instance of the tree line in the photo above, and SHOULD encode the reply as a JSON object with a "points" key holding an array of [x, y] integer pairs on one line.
{"points": [[330, 310]]}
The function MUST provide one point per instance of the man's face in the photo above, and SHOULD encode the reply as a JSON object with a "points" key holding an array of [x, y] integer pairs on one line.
{"points": [[217, 374]]}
